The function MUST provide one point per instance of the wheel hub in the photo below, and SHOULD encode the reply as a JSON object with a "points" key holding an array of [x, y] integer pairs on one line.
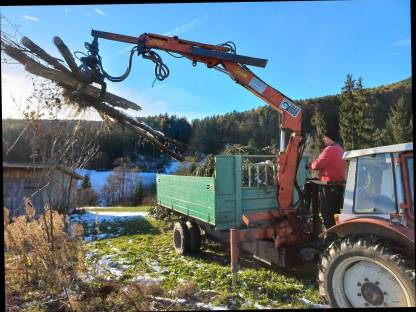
{"points": [[363, 282], [372, 294]]}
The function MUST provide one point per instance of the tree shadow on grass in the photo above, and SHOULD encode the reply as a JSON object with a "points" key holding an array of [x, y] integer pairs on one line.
{"points": [[118, 228], [213, 252], [129, 227], [219, 253]]}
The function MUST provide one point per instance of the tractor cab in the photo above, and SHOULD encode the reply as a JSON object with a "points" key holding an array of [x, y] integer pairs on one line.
{"points": [[380, 184], [371, 259]]}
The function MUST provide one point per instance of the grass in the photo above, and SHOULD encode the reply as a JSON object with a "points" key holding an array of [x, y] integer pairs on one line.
{"points": [[144, 248], [119, 209]]}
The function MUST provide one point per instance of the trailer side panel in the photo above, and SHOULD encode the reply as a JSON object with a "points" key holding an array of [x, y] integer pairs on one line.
{"points": [[191, 196]]}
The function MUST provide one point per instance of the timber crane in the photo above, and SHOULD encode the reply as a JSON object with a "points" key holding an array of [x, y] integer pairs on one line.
{"points": [[370, 262], [223, 58]]}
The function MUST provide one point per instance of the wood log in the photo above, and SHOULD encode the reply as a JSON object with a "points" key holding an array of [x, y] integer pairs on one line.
{"points": [[43, 55], [66, 53], [91, 93], [131, 124], [17, 54], [64, 78], [71, 82], [39, 70], [141, 125]]}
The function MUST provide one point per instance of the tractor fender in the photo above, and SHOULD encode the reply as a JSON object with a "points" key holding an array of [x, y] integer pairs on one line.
{"points": [[400, 236]]}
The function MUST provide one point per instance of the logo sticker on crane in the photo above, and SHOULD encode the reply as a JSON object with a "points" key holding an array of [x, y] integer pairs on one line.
{"points": [[289, 107]]}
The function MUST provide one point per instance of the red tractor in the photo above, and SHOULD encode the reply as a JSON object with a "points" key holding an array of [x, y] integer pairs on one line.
{"points": [[371, 260]]}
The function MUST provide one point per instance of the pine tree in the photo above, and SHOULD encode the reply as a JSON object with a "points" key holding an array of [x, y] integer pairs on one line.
{"points": [[86, 183], [399, 126], [356, 116], [320, 125], [364, 126], [347, 114]]}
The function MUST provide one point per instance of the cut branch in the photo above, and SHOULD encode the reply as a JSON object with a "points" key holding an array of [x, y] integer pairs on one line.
{"points": [[73, 83], [150, 134], [88, 94], [42, 54], [67, 56]]}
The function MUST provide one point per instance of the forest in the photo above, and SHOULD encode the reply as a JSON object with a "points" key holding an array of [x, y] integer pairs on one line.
{"points": [[360, 117]]}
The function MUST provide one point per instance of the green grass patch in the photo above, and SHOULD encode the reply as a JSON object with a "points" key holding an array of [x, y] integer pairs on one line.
{"points": [[120, 209], [145, 246]]}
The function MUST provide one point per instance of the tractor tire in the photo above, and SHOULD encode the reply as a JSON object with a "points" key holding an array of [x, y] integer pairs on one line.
{"points": [[365, 272], [195, 235], [181, 238]]}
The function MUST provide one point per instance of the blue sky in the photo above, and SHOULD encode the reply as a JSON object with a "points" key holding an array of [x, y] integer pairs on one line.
{"points": [[310, 47]]}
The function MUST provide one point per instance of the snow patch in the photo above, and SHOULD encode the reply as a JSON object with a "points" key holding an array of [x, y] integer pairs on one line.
{"points": [[146, 280], [107, 265], [210, 306], [91, 217], [313, 305], [156, 267], [261, 307]]}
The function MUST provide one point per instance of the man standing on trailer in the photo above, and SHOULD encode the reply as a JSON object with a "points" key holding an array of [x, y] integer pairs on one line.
{"points": [[331, 167]]}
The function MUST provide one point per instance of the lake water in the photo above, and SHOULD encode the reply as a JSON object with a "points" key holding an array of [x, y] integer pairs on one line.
{"points": [[99, 178]]}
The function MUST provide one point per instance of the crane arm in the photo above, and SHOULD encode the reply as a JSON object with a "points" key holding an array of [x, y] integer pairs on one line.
{"points": [[214, 55], [235, 66]]}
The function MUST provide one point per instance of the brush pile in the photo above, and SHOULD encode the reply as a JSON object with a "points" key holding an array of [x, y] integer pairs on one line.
{"points": [[80, 91]]}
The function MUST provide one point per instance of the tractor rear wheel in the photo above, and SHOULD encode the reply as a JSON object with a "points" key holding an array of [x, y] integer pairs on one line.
{"points": [[181, 238], [364, 272], [195, 236]]}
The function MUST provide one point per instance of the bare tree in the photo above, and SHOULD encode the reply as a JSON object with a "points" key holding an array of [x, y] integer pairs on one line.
{"points": [[122, 184], [58, 147]]}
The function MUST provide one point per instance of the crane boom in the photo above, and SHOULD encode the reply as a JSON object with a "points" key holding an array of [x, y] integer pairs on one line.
{"points": [[236, 67]]}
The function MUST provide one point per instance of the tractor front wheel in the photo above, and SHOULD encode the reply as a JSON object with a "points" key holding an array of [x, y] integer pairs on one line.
{"points": [[364, 272]]}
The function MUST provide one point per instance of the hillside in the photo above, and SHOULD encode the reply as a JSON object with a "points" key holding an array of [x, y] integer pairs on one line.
{"points": [[257, 128]]}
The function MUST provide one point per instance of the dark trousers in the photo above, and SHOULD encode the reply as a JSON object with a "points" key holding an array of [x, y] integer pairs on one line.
{"points": [[331, 198]]}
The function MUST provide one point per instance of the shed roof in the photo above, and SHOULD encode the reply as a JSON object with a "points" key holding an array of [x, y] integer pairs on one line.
{"points": [[25, 165]]}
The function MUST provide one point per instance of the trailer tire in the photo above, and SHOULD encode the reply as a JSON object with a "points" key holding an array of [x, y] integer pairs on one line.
{"points": [[365, 272], [181, 238], [195, 236]]}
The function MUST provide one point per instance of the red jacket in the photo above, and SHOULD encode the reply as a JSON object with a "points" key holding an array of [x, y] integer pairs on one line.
{"points": [[330, 164]]}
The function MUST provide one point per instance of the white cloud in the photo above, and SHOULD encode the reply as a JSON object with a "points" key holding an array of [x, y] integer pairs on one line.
{"points": [[403, 43], [30, 18], [100, 12], [183, 28]]}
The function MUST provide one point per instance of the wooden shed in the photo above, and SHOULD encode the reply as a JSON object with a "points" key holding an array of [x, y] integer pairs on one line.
{"points": [[44, 184]]}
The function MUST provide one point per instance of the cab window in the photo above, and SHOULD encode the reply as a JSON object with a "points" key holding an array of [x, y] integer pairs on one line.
{"points": [[409, 163], [374, 189]]}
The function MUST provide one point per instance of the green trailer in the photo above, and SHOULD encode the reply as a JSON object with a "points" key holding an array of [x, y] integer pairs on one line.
{"points": [[241, 185]]}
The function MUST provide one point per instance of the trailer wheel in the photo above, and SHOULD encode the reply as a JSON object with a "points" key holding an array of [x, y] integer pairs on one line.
{"points": [[364, 272], [195, 235], [181, 238]]}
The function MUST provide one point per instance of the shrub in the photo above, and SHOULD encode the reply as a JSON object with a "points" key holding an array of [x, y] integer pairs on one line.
{"points": [[160, 213], [40, 255], [87, 197]]}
